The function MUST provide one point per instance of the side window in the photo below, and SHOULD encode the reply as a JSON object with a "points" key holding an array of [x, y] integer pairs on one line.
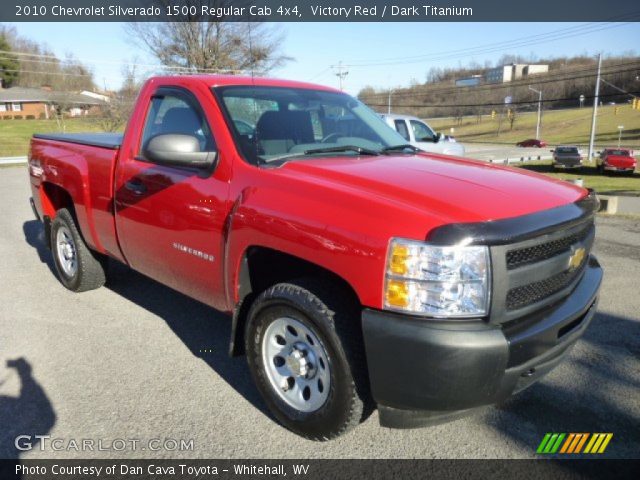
{"points": [[422, 132], [176, 114], [401, 127]]}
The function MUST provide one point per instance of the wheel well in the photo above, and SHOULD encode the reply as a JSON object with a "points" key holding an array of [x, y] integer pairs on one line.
{"points": [[262, 268], [55, 198]]}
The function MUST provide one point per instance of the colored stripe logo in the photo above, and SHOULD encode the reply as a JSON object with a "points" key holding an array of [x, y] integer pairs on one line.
{"points": [[553, 443]]}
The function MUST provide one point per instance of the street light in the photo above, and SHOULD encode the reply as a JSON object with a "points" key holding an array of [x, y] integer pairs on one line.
{"points": [[539, 92], [620, 128]]}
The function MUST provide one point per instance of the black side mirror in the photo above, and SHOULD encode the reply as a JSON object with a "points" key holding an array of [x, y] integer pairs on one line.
{"points": [[178, 150], [437, 137]]}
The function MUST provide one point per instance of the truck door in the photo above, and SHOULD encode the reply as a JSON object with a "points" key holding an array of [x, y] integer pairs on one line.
{"points": [[170, 219], [424, 137]]}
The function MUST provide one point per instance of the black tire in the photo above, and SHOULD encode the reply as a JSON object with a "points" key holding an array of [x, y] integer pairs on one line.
{"points": [[90, 271], [336, 323]]}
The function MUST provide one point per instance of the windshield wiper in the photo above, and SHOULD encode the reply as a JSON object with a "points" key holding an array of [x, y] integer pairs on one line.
{"points": [[316, 151], [342, 148], [400, 148]]}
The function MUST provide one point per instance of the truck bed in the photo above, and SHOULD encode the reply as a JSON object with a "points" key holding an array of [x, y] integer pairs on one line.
{"points": [[104, 140]]}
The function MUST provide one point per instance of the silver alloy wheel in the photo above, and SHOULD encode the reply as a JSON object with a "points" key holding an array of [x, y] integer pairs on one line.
{"points": [[67, 253], [296, 364]]}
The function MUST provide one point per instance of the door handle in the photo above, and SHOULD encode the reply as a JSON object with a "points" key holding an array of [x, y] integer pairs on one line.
{"points": [[136, 186]]}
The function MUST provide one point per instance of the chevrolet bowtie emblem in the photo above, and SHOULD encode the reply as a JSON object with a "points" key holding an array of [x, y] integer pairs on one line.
{"points": [[575, 260]]}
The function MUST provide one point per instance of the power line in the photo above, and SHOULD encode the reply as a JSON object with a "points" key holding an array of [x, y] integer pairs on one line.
{"points": [[617, 88], [537, 80], [540, 78], [433, 105], [496, 47], [504, 43], [341, 72], [121, 63], [48, 73]]}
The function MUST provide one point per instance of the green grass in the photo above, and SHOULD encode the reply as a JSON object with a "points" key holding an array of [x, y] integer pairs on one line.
{"points": [[15, 134], [608, 183], [570, 126]]}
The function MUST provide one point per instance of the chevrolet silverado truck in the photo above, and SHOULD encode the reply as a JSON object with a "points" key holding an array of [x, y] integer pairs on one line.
{"points": [[357, 270], [619, 160]]}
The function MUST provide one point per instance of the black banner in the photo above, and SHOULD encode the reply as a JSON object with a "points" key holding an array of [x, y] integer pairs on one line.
{"points": [[319, 469], [319, 10]]}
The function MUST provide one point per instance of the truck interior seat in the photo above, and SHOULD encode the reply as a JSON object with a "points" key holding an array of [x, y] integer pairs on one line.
{"points": [[279, 131]]}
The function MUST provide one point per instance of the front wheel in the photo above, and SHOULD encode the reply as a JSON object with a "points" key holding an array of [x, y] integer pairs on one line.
{"points": [[306, 357]]}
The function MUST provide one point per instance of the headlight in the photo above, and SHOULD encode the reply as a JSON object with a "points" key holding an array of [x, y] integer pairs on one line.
{"points": [[437, 281]]}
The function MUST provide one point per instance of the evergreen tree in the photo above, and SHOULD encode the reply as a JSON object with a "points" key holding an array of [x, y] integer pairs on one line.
{"points": [[9, 64]]}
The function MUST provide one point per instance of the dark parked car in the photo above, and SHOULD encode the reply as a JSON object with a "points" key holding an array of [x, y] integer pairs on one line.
{"points": [[532, 142], [567, 157]]}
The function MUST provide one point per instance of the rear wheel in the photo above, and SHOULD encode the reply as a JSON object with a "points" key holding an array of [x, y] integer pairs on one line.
{"points": [[79, 269], [306, 357]]}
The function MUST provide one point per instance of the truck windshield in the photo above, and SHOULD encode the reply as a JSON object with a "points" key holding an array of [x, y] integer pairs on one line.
{"points": [[285, 123]]}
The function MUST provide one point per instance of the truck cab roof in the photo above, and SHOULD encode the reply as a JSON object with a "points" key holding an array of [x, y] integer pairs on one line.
{"points": [[238, 80]]}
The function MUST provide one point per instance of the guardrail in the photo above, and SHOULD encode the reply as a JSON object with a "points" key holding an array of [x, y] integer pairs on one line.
{"points": [[13, 160], [519, 159]]}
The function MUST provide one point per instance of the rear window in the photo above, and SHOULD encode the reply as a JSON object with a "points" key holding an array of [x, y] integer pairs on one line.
{"points": [[619, 153]]}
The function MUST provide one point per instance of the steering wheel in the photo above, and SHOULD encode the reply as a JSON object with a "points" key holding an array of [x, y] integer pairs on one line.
{"points": [[330, 136]]}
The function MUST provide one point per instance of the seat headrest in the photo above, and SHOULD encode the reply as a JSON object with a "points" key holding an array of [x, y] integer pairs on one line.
{"points": [[181, 120], [285, 125]]}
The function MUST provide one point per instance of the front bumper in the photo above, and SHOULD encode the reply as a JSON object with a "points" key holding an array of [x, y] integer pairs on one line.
{"points": [[424, 372], [567, 165]]}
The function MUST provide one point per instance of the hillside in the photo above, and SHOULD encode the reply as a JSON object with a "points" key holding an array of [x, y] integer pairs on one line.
{"points": [[571, 126]]}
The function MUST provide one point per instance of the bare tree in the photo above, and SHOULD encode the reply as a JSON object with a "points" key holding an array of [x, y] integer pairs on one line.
{"points": [[512, 118], [206, 46], [117, 111]]}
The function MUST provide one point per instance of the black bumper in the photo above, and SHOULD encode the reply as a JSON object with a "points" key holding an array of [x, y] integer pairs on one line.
{"points": [[424, 372]]}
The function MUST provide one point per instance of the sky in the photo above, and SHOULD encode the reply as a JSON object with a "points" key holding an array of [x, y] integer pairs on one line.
{"points": [[316, 47]]}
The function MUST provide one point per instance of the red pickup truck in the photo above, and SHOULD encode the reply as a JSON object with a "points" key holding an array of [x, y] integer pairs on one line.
{"points": [[616, 160], [358, 270]]}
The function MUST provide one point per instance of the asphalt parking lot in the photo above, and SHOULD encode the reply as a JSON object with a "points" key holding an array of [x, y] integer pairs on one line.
{"points": [[136, 361]]}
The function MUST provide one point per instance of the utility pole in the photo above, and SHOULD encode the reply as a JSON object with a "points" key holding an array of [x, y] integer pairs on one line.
{"points": [[341, 73], [389, 102], [539, 92], [595, 108]]}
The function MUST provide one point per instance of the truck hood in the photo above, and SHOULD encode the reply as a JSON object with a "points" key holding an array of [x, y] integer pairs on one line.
{"points": [[448, 188]]}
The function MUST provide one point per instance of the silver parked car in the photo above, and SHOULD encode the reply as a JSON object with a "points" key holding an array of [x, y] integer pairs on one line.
{"points": [[420, 135]]}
